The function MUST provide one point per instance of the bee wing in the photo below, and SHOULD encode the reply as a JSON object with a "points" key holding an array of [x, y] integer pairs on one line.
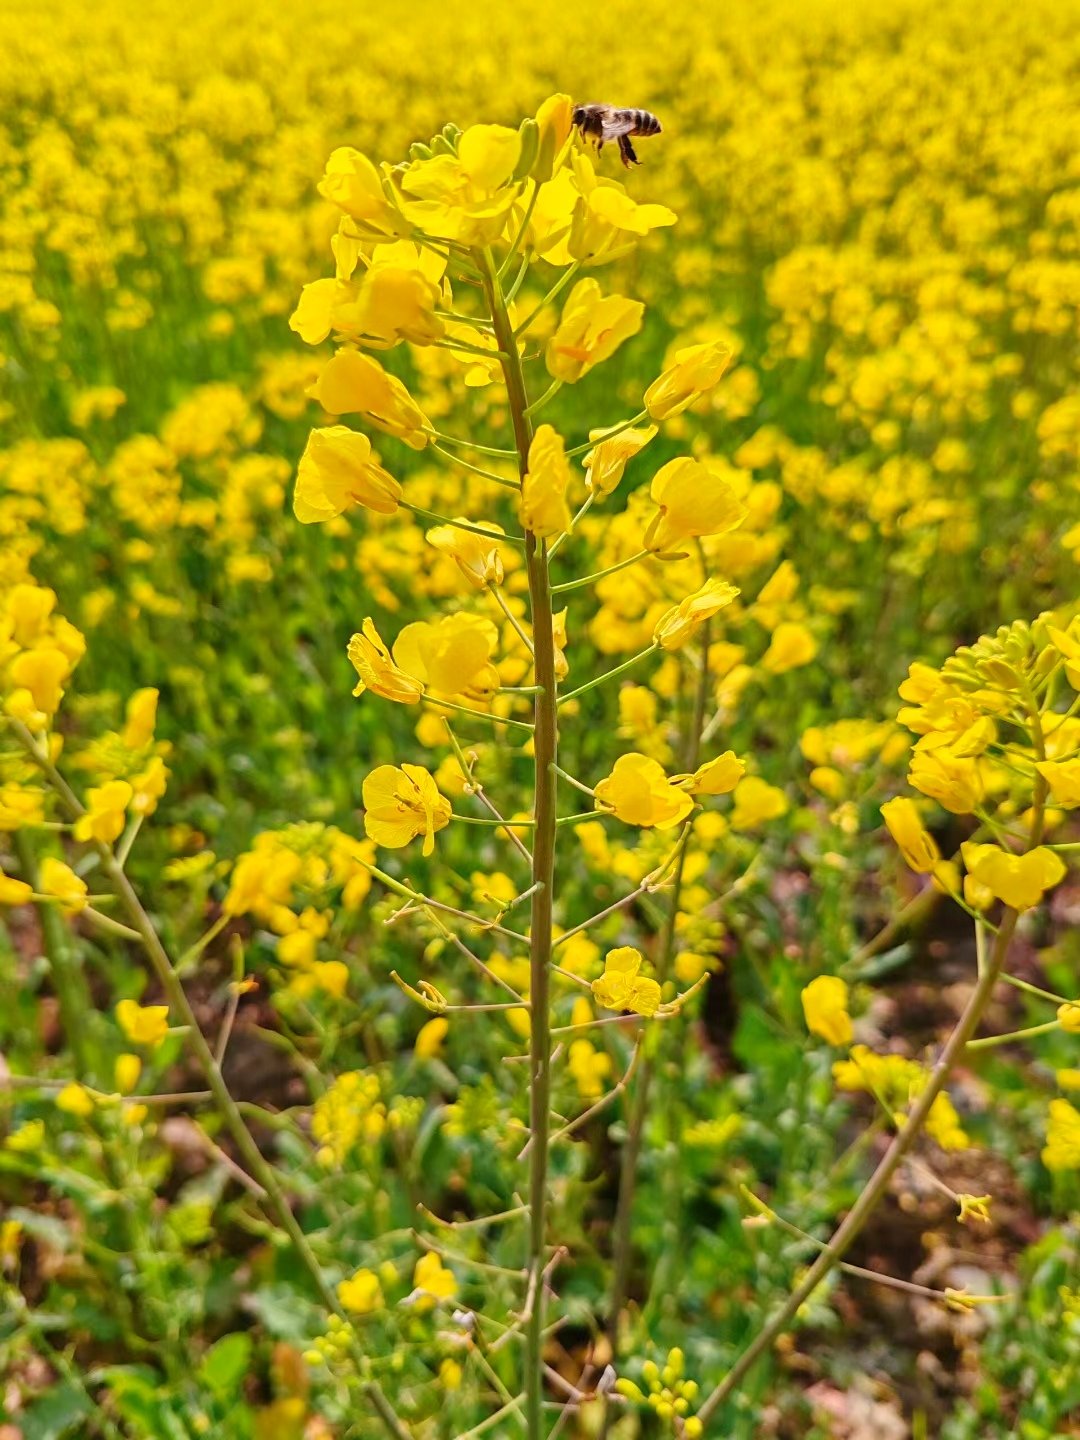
{"points": [[616, 124]]}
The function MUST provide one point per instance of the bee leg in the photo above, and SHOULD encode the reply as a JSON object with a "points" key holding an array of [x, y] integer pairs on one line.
{"points": [[626, 150]]}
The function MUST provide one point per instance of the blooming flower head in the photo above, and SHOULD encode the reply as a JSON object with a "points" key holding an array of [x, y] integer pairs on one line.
{"points": [[467, 195], [338, 469], [1019, 881], [693, 500], [825, 1002], [715, 777], [917, 846], [1063, 778], [377, 671], [352, 182], [353, 383], [451, 655], [543, 508], [402, 803], [953, 781], [143, 1024], [606, 220], [757, 801], [677, 625], [106, 812], [60, 881], [638, 792], [620, 987], [694, 372], [478, 559], [40, 674], [606, 461], [592, 328]]}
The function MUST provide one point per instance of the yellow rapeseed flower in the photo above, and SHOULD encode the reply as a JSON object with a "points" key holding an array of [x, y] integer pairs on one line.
{"points": [[402, 803], [622, 988], [338, 469], [638, 792], [377, 671], [543, 508], [825, 1006]]}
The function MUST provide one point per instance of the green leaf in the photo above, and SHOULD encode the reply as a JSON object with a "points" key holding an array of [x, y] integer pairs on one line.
{"points": [[56, 1413], [225, 1364]]}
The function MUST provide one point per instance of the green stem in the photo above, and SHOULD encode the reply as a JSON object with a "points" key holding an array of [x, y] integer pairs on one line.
{"points": [[849, 1230], [598, 574], [553, 294], [545, 745], [608, 675]]}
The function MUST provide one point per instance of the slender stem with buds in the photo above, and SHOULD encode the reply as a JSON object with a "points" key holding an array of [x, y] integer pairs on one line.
{"points": [[545, 748]]}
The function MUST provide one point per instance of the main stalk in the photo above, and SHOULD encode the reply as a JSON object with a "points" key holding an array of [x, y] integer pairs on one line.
{"points": [[545, 745]]}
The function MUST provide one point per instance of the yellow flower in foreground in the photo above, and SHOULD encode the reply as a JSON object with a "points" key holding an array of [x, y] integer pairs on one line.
{"points": [[592, 328], [400, 804], [1018, 880], [1062, 1150], [638, 792], [451, 655], [554, 120], [1063, 778], [606, 461], [677, 625], [791, 646], [143, 1024], [361, 1293], [60, 881], [433, 1281], [353, 383], [918, 847], [14, 892], [42, 673], [715, 777], [693, 500], [693, 373], [106, 812], [543, 508], [377, 672], [755, 802], [337, 469], [353, 183], [949, 779], [621, 988], [825, 1002], [477, 559]]}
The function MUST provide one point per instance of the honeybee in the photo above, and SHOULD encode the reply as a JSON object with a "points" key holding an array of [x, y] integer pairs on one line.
{"points": [[607, 122]]}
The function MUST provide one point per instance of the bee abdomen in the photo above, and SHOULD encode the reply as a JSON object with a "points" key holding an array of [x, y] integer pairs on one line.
{"points": [[645, 123]]}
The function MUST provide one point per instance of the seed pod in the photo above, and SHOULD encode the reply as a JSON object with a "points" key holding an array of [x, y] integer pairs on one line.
{"points": [[530, 148]]}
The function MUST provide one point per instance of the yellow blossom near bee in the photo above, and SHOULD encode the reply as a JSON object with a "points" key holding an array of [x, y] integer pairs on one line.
{"points": [[377, 671], [756, 801], [605, 217], [353, 383], [432, 1282], [402, 803], [143, 1024], [825, 1006], [606, 462], [622, 988], [679, 624], [478, 559], [639, 793], [592, 328], [714, 777], [543, 508], [361, 1293], [14, 892], [1020, 881], [791, 647], [693, 499], [694, 372], [1062, 1149], [60, 881], [337, 469], [106, 812]]}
